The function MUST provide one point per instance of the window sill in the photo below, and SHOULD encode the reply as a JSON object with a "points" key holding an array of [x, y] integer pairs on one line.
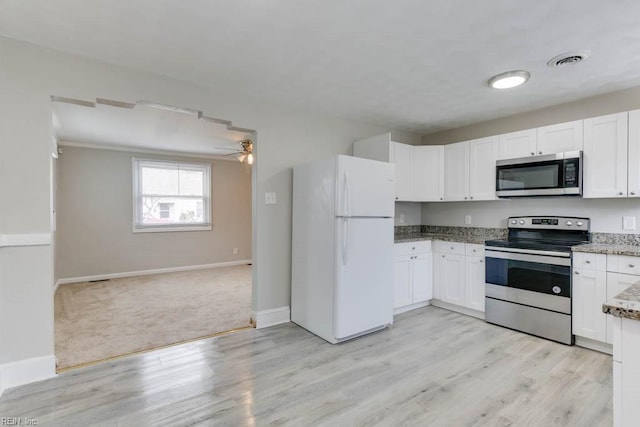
{"points": [[171, 229]]}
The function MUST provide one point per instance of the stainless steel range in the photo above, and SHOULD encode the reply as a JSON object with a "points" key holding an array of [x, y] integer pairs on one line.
{"points": [[528, 275]]}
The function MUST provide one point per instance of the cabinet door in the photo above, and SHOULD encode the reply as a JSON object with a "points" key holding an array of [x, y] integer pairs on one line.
{"points": [[617, 283], [634, 154], [517, 144], [456, 171], [483, 154], [427, 170], [453, 279], [589, 293], [421, 276], [402, 281], [402, 159], [475, 283], [605, 156], [560, 138]]}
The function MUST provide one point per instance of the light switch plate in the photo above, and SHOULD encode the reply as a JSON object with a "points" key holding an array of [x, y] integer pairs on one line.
{"points": [[467, 219], [401, 218], [269, 198], [628, 222]]}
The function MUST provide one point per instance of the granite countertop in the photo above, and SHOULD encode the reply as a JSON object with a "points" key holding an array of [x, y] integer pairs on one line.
{"points": [[461, 238], [626, 304], [609, 249]]}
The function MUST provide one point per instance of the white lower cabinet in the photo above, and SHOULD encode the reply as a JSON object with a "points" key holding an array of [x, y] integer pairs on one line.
{"points": [[413, 272], [459, 274], [597, 278], [475, 272]]}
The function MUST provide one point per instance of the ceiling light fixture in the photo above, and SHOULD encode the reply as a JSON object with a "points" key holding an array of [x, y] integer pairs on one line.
{"points": [[509, 79]]}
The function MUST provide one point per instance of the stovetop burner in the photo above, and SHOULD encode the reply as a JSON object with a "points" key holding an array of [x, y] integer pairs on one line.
{"points": [[556, 234]]}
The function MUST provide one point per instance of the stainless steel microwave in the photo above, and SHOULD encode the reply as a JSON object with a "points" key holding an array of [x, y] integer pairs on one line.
{"points": [[557, 174]]}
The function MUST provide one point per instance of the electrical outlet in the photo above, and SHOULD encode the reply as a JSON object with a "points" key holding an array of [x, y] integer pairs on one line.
{"points": [[467, 219], [401, 218], [236, 251], [628, 222], [269, 198]]}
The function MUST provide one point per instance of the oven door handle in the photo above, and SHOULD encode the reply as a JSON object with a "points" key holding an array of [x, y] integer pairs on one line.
{"points": [[494, 249], [539, 259]]}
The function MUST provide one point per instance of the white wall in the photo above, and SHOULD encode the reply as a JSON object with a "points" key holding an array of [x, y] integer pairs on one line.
{"points": [[95, 217], [30, 74], [412, 212], [606, 214]]}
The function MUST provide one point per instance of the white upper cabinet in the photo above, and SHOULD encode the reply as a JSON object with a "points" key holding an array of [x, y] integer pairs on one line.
{"points": [[483, 154], [456, 171], [634, 154], [605, 157], [543, 140], [419, 169], [559, 138], [427, 173], [403, 154], [517, 144]]}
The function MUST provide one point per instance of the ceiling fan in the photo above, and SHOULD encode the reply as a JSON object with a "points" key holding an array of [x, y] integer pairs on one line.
{"points": [[245, 153]]}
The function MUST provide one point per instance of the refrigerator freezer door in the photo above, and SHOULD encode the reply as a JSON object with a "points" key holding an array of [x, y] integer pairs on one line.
{"points": [[364, 188], [364, 275]]}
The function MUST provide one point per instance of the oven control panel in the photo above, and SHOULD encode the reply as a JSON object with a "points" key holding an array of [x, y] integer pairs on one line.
{"points": [[549, 223]]}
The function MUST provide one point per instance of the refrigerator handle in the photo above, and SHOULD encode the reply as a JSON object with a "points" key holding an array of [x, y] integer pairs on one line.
{"points": [[346, 196], [345, 240]]}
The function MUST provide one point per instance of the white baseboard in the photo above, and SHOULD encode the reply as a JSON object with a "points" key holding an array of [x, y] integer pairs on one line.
{"points": [[411, 307], [457, 309], [64, 281], [27, 371], [602, 347], [275, 316], [31, 239]]}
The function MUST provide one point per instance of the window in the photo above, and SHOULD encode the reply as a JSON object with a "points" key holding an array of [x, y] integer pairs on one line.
{"points": [[171, 196]]}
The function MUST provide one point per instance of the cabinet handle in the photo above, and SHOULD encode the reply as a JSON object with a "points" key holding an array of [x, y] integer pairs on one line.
{"points": [[451, 247], [632, 193], [533, 154], [620, 193], [442, 256], [441, 198], [481, 261], [396, 198], [539, 152], [588, 262], [631, 265], [471, 197], [576, 272], [413, 248]]}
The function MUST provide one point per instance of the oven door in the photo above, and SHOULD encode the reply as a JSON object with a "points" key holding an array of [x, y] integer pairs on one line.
{"points": [[535, 278], [549, 175]]}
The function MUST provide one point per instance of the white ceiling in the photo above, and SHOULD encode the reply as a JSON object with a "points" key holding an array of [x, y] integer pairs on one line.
{"points": [[143, 127], [416, 65]]}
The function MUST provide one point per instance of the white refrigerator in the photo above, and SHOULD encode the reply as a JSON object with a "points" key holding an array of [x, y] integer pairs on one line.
{"points": [[342, 247]]}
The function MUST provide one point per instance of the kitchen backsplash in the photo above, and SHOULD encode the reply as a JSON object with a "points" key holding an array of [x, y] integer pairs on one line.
{"points": [[490, 233]]}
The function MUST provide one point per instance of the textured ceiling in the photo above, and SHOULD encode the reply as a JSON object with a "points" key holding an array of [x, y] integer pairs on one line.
{"points": [[143, 127], [415, 65]]}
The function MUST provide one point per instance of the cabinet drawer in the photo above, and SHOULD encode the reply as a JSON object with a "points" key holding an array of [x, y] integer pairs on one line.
{"points": [[623, 264], [454, 248], [474, 250], [587, 261], [410, 248]]}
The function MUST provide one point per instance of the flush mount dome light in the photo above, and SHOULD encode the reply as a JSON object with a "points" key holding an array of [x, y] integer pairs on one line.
{"points": [[509, 79]]}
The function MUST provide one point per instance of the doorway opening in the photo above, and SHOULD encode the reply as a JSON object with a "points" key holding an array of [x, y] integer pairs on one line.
{"points": [[152, 227]]}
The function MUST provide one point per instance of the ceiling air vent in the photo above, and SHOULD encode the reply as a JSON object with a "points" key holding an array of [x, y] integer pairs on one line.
{"points": [[569, 58]]}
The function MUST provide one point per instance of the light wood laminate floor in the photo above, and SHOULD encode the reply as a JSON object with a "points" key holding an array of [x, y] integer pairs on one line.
{"points": [[432, 367]]}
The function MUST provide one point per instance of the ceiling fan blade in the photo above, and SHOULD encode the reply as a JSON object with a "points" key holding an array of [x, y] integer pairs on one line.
{"points": [[225, 148], [231, 154]]}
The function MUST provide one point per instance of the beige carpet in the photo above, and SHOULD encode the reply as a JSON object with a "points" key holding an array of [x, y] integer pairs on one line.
{"points": [[95, 321]]}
